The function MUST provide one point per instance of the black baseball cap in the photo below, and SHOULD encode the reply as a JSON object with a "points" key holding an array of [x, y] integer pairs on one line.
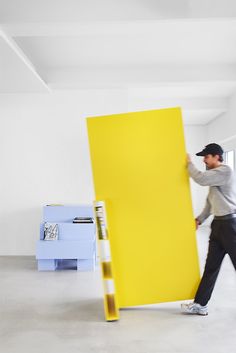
{"points": [[212, 148]]}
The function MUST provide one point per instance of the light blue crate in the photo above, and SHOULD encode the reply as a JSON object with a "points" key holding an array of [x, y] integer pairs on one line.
{"points": [[73, 231], [75, 241], [47, 249]]}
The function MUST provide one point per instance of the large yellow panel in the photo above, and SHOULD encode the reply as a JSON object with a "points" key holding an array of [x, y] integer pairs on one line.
{"points": [[139, 169]]}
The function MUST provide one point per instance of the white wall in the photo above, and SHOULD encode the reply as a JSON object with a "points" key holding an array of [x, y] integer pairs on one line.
{"points": [[45, 158], [223, 129]]}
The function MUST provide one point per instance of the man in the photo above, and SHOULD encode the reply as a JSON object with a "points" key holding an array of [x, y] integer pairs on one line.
{"points": [[221, 202]]}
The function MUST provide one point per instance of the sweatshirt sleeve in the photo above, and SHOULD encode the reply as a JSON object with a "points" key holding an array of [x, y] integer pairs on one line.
{"points": [[205, 212], [213, 177]]}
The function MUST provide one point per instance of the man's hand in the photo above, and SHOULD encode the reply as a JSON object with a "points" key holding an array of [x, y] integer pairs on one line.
{"points": [[197, 223], [188, 157]]}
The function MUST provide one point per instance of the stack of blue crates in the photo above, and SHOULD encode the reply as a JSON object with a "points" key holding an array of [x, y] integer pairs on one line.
{"points": [[76, 241]]}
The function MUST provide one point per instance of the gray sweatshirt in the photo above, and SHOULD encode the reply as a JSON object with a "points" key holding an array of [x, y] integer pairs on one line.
{"points": [[221, 199]]}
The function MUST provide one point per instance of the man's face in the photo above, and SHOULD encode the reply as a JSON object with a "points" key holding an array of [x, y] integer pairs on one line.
{"points": [[211, 161]]}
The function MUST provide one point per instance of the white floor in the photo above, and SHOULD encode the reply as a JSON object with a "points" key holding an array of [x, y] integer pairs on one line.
{"points": [[42, 312]]}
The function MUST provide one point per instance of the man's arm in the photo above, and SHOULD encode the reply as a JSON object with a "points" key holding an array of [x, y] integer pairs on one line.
{"points": [[196, 174], [205, 213], [212, 177]]}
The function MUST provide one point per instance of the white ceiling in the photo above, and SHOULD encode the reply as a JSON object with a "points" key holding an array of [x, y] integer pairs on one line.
{"points": [[161, 52]]}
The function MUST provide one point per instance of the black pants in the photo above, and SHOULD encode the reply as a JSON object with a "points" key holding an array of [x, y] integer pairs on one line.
{"points": [[222, 241]]}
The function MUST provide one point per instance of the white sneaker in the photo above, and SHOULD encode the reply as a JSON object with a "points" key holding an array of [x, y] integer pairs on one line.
{"points": [[194, 308]]}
